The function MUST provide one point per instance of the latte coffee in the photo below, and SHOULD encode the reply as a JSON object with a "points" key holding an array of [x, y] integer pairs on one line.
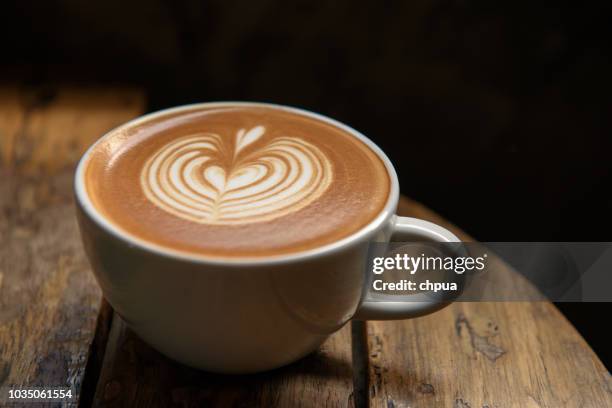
{"points": [[236, 181]]}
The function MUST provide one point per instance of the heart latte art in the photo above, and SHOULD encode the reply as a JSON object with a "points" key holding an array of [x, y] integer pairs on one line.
{"points": [[209, 179]]}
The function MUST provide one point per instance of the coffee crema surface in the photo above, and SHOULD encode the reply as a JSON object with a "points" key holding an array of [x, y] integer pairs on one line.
{"points": [[236, 181]]}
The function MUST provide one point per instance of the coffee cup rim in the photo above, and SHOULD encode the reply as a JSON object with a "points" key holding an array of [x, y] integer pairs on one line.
{"points": [[83, 200]]}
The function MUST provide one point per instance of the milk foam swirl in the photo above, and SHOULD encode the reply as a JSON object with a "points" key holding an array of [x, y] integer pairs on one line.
{"points": [[206, 178]]}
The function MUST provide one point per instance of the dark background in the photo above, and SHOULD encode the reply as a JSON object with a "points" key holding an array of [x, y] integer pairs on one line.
{"points": [[498, 116]]}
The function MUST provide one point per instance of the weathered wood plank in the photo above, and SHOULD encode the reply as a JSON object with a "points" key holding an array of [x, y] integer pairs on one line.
{"points": [[489, 354], [47, 129], [49, 301], [135, 375]]}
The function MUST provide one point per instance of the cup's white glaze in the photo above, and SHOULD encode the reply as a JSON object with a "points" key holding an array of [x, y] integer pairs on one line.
{"points": [[233, 315]]}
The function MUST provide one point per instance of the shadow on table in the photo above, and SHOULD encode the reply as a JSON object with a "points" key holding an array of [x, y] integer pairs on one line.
{"points": [[138, 375]]}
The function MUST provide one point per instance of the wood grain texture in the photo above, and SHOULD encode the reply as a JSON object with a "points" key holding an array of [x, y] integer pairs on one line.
{"points": [[487, 354], [49, 301], [48, 129], [135, 375]]}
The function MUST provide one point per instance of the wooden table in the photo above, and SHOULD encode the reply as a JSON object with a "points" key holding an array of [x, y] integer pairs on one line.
{"points": [[56, 330]]}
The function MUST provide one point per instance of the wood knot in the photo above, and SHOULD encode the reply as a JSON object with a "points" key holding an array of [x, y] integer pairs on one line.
{"points": [[425, 388], [460, 403], [480, 342]]}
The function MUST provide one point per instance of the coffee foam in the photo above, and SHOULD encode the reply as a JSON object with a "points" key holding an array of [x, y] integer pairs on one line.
{"points": [[236, 181], [205, 178]]}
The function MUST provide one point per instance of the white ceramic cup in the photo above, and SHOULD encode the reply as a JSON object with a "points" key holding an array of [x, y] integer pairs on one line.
{"points": [[246, 315]]}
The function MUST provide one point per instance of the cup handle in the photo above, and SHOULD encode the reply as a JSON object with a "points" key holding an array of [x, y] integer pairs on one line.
{"points": [[395, 307]]}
